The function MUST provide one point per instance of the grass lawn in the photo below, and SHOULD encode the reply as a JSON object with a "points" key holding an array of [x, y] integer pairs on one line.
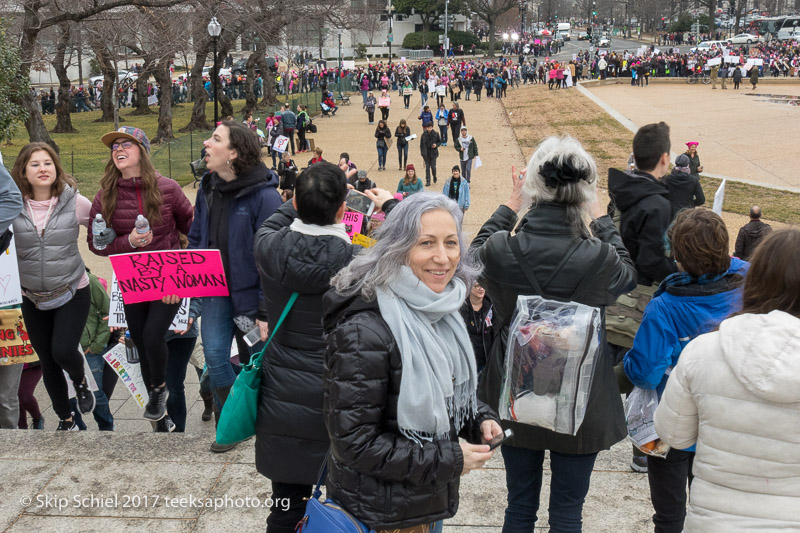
{"points": [[85, 157], [536, 113]]}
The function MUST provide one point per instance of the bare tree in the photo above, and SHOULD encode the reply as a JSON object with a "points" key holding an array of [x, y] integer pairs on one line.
{"points": [[489, 11], [63, 111], [39, 15]]}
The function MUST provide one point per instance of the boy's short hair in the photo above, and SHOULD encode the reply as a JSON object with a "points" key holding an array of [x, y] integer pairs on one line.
{"points": [[319, 192], [456, 167], [649, 144]]}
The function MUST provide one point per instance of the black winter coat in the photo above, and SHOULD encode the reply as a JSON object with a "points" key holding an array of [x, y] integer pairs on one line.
{"points": [[426, 144], [684, 191], [384, 479], [291, 439], [545, 236], [646, 214]]}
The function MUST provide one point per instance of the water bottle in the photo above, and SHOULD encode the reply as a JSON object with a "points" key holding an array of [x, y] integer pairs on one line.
{"points": [[131, 353], [98, 227], [142, 224]]}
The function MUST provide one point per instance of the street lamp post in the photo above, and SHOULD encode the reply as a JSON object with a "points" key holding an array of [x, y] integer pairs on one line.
{"points": [[214, 29], [390, 37]]}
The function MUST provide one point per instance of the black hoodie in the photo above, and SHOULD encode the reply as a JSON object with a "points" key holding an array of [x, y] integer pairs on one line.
{"points": [[646, 212], [684, 191], [749, 236]]}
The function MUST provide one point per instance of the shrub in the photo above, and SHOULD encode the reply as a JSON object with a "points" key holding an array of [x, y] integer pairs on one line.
{"points": [[418, 40]]}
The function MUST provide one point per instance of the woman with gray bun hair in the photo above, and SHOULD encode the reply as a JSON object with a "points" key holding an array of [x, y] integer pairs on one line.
{"points": [[553, 254], [400, 374]]}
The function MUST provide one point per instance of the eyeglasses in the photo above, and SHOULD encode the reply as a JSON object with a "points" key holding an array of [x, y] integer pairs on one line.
{"points": [[124, 144]]}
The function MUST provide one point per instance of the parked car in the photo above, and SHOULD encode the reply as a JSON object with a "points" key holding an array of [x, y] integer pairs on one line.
{"points": [[744, 38], [708, 45], [209, 71], [240, 66], [121, 75]]}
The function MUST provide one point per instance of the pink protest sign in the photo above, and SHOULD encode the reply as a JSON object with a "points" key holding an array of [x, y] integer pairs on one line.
{"points": [[537, 41], [352, 222], [147, 276]]}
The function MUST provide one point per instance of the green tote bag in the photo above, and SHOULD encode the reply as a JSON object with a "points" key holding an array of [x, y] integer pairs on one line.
{"points": [[237, 422]]}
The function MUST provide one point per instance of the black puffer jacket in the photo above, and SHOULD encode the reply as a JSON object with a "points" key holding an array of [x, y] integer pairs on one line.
{"points": [[291, 440], [646, 214], [684, 191], [545, 238], [384, 479]]}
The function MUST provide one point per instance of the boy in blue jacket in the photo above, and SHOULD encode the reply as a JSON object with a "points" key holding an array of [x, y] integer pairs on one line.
{"points": [[706, 290]]}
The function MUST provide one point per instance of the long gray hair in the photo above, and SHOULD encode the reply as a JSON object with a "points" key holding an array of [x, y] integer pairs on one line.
{"points": [[560, 152], [378, 265]]}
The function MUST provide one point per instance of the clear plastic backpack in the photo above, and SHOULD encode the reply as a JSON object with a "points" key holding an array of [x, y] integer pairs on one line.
{"points": [[550, 355]]}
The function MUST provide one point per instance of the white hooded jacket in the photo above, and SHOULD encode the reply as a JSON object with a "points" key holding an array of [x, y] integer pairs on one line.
{"points": [[736, 394]]}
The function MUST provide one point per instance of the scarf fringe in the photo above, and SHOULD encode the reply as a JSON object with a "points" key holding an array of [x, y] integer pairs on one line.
{"points": [[467, 410]]}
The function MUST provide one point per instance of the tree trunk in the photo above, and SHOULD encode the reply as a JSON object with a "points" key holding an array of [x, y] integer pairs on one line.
{"points": [[250, 100], [199, 94], [109, 82], [142, 107], [490, 52], [63, 108], [270, 97], [162, 75], [225, 106]]}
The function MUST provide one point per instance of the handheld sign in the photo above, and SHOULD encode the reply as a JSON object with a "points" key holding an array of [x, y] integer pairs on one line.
{"points": [[130, 374], [363, 240], [352, 222], [148, 276], [281, 142], [719, 198], [15, 345], [116, 310], [384, 101], [10, 291]]}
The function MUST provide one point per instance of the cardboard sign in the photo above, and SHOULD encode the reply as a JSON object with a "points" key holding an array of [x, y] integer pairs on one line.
{"points": [[441, 90], [352, 222], [384, 101], [10, 291], [15, 346], [408, 91], [116, 311], [129, 374], [280, 144], [362, 240], [148, 276], [714, 62]]}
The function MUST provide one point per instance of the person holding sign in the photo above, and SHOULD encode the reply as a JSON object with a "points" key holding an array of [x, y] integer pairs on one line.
{"points": [[298, 249], [132, 191], [55, 286], [384, 102], [408, 90], [234, 199]]}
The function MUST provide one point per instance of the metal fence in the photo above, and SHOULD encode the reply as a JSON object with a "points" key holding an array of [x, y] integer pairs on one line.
{"points": [[416, 55]]}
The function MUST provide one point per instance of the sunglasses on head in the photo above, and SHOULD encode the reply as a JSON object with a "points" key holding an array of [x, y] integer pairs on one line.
{"points": [[124, 144]]}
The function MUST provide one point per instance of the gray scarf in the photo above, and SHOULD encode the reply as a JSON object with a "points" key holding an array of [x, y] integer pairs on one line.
{"points": [[439, 373]]}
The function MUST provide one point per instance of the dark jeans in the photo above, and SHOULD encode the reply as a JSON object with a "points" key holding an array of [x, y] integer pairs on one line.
{"points": [[443, 134], [466, 169], [384, 116], [180, 351], [289, 132], [301, 139], [402, 155], [371, 116], [668, 478], [568, 487], [56, 335], [430, 166], [281, 519], [148, 323], [102, 412], [382, 156]]}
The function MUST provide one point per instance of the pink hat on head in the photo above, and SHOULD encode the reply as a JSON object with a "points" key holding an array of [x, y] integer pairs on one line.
{"points": [[690, 143]]}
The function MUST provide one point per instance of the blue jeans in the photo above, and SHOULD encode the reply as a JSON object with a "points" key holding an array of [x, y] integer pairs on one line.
{"points": [[217, 330], [424, 99], [402, 154], [382, 156], [568, 487], [443, 134], [102, 412], [364, 97], [180, 351]]}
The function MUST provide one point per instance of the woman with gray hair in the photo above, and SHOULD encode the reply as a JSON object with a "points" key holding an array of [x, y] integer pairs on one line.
{"points": [[400, 374], [555, 255]]}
